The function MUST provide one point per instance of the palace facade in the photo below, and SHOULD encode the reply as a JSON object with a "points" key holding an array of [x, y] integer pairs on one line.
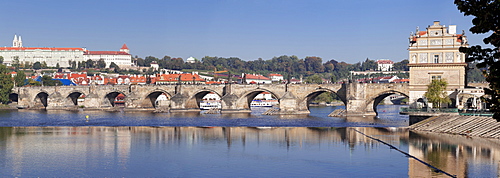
{"points": [[434, 54], [52, 56]]}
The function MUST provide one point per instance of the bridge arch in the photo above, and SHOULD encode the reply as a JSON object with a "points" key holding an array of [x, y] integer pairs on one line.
{"points": [[41, 99], [311, 95], [194, 101], [111, 98], [247, 97], [150, 100], [13, 97], [372, 102], [74, 95]]}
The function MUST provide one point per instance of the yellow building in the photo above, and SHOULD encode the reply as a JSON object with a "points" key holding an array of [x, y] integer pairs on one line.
{"points": [[434, 54]]}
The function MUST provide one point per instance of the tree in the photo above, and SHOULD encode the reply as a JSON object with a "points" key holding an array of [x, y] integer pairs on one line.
{"points": [[89, 63], [15, 63], [436, 93], [37, 65], [101, 64], [20, 78], [1, 59], [403, 65], [475, 74], [6, 84], [486, 20], [73, 65], [115, 67], [47, 81], [314, 79], [44, 65]]}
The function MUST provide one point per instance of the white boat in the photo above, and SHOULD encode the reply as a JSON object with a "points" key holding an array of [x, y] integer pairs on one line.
{"points": [[209, 104], [263, 103]]}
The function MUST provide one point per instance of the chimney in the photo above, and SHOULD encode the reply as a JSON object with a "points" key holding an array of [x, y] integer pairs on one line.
{"points": [[452, 29]]}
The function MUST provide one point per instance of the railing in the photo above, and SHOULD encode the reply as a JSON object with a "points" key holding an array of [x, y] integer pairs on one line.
{"points": [[432, 110]]}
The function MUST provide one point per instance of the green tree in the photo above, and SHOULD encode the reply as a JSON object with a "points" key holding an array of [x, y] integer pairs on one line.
{"points": [[37, 65], [44, 65], [73, 65], [436, 93], [314, 79], [101, 64], [403, 65], [474, 74], [1, 59], [47, 81], [6, 84], [27, 65], [89, 63], [369, 65], [15, 63], [486, 20], [115, 67], [20, 78]]}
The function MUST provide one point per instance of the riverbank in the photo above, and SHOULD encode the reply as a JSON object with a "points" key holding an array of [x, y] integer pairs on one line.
{"points": [[7, 107], [473, 126]]}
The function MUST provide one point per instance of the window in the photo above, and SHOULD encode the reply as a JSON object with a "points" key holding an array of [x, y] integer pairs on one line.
{"points": [[436, 77], [436, 58]]}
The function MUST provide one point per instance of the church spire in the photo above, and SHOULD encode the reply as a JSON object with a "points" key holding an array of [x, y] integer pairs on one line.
{"points": [[20, 42], [15, 41]]}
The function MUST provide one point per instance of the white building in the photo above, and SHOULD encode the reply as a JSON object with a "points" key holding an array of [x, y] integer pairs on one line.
{"points": [[276, 77], [384, 65], [191, 60], [255, 79], [51, 56], [121, 58]]}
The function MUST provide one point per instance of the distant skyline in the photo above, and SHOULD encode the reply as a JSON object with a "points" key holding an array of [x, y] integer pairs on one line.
{"points": [[348, 31]]}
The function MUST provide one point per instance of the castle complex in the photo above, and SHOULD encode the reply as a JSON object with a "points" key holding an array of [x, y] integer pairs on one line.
{"points": [[53, 56], [434, 54]]}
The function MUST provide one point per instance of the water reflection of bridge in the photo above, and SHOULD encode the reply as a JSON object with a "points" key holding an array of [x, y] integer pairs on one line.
{"points": [[451, 153]]}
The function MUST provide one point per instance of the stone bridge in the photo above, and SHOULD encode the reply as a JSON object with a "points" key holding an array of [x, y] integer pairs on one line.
{"points": [[359, 98]]}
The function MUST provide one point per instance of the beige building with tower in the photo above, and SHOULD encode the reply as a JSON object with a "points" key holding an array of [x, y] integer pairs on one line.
{"points": [[434, 54]]}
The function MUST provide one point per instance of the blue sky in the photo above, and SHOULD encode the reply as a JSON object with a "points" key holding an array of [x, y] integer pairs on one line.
{"points": [[349, 31]]}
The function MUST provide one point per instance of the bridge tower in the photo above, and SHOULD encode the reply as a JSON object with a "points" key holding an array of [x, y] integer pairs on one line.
{"points": [[434, 54]]}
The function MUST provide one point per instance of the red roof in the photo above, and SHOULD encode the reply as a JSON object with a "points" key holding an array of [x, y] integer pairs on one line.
{"points": [[106, 53], [175, 77], [124, 46], [258, 77], [384, 62], [459, 38], [35, 48], [421, 33]]}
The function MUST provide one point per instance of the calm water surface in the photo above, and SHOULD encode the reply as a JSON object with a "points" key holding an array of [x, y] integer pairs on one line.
{"points": [[118, 144]]}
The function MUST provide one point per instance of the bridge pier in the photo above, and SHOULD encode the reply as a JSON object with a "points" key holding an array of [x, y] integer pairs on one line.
{"points": [[289, 105]]}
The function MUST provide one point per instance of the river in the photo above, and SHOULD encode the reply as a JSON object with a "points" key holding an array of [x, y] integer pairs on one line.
{"points": [[141, 144]]}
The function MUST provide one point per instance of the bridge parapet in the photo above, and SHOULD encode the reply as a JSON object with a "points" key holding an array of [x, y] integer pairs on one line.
{"points": [[293, 98]]}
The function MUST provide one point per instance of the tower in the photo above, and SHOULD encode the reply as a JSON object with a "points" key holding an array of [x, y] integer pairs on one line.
{"points": [[125, 49], [17, 42], [434, 54]]}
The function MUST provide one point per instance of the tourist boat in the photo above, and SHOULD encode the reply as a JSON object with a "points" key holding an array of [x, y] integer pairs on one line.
{"points": [[475, 112], [210, 104], [263, 103]]}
